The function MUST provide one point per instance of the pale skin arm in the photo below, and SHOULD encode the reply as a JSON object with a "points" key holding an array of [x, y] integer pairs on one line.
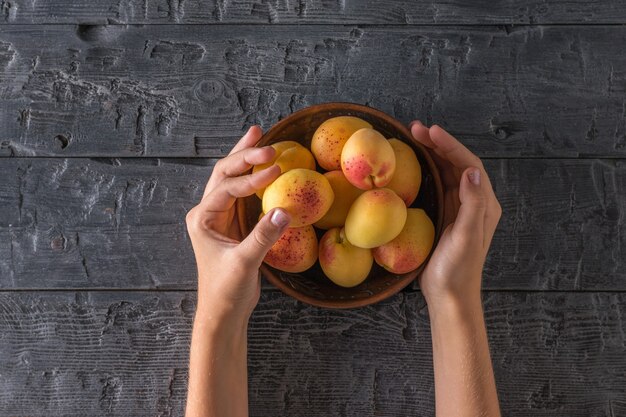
{"points": [[451, 281], [464, 381], [229, 284], [218, 382], [228, 280]]}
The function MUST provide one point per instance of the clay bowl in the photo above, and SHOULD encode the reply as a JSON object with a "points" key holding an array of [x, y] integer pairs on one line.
{"points": [[312, 286]]}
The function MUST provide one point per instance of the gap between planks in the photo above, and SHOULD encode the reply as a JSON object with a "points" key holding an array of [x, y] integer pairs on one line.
{"points": [[274, 290], [199, 157], [296, 25]]}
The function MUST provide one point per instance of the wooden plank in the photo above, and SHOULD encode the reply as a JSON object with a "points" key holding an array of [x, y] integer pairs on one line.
{"points": [[97, 222], [191, 90], [119, 223], [93, 353], [313, 11], [563, 222]]}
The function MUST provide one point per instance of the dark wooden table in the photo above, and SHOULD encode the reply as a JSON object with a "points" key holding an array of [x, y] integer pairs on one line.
{"points": [[113, 113]]}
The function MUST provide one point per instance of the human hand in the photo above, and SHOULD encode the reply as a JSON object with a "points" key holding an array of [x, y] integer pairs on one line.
{"points": [[228, 267], [471, 214]]}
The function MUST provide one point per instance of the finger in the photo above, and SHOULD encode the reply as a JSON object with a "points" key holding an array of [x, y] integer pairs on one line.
{"points": [[453, 150], [494, 210], [451, 205], [252, 136], [266, 232], [421, 133], [492, 218], [449, 148], [238, 163], [223, 196], [469, 223], [449, 175]]}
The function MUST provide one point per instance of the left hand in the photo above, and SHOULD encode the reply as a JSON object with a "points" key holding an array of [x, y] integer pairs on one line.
{"points": [[228, 267], [471, 215]]}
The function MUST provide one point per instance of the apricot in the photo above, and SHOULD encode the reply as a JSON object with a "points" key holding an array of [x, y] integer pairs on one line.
{"points": [[295, 251], [329, 138], [411, 247], [305, 194], [407, 177], [367, 159], [376, 217], [289, 155], [342, 262], [345, 194]]}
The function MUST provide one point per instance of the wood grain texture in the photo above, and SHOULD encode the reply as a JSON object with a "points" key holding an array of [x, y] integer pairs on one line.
{"points": [[312, 11], [98, 222], [191, 90], [119, 223], [120, 354], [564, 221]]}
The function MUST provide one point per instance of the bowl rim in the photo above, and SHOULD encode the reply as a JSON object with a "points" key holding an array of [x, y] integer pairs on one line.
{"points": [[406, 278]]}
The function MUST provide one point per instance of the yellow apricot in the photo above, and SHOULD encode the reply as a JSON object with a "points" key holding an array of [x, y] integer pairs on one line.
{"points": [[329, 138], [376, 217], [289, 155], [305, 194]]}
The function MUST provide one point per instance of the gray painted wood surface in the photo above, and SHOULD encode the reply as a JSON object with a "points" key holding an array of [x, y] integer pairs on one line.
{"points": [[191, 90], [119, 223], [120, 354], [312, 11], [109, 132]]}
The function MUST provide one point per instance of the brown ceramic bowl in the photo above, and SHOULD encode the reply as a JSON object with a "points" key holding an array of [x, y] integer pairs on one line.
{"points": [[312, 286]]}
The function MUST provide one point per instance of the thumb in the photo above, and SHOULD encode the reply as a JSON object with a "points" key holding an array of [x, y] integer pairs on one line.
{"points": [[266, 232], [470, 220]]}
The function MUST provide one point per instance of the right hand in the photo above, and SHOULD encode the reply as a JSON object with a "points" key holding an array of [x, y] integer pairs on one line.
{"points": [[471, 214], [229, 283]]}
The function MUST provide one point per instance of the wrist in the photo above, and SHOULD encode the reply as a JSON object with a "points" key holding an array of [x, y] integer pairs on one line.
{"points": [[221, 310], [455, 307], [220, 321], [453, 294], [223, 338]]}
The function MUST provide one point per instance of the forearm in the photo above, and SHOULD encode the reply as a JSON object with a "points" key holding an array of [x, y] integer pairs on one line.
{"points": [[464, 381], [218, 381]]}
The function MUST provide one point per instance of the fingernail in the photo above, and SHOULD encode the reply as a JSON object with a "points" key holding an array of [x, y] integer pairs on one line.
{"points": [[415, 122], [279, 218], [474, 176]]}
